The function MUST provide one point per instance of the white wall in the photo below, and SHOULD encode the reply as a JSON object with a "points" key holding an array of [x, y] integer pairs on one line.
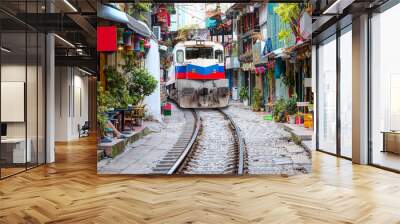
{"points": [[33, 126], [71, 102], [153, 102]]}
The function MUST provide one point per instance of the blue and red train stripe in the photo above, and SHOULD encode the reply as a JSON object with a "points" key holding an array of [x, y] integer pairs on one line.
{"points": [[198, 72]]}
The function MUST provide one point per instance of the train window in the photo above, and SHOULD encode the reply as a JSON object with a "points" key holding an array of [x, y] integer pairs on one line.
{"points": [[179, 57], [196, 52], [219, 55]]}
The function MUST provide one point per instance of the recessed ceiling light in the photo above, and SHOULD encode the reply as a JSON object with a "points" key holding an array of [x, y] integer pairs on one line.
{"points": [[5, 50]]}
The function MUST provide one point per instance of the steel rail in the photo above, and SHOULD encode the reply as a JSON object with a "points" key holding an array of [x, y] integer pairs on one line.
{"points": [[182, 158], [241, 142]]}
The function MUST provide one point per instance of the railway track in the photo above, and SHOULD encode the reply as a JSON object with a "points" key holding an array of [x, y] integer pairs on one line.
{"points": [[211, 143]]}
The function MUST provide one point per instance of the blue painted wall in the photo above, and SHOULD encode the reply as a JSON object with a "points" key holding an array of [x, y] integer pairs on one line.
{"points": [[275, 25]]}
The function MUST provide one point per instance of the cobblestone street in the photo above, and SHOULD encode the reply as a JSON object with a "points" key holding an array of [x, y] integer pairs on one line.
{"points": [[144, 154], [268, 148]]}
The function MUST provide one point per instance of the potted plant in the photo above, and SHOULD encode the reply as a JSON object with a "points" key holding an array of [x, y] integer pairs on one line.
{"points": [[103, 102], [279, 111], [243, 95], [256, 98], [291, 108], [116, 88], [140, 83]]}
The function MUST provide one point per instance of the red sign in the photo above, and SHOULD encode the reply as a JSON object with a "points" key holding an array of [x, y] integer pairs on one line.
{"points": [[106, 38]]}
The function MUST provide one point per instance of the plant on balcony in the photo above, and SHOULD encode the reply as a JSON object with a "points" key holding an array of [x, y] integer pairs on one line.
{"points": [[289, 13], [288, 80], [136, 10], [256, 98], [284, 36]]}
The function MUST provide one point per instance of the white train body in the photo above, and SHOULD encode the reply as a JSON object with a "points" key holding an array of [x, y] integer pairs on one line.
{"points": [[197, 76]]}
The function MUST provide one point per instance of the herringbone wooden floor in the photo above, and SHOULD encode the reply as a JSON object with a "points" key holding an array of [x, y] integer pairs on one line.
{"points": [[70, 191]]}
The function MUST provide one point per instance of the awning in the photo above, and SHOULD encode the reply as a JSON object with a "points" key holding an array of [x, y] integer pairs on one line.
{"points": [[110, 13], [113, 14], [138, 26]]}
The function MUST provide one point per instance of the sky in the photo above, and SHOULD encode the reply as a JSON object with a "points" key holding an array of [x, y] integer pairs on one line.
{"points": [[193, 13]]}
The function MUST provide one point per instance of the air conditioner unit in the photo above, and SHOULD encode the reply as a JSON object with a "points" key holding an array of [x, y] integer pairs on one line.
{"points": [[157, 32]]}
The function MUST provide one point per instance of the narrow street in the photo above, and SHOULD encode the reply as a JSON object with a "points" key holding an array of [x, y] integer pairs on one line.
{"points": [[269, 149]]}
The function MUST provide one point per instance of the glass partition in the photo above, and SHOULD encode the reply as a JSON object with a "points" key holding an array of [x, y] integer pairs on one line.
{"points": [[22, 77], [346, 93], [327, 96], [14, 153], [385, 89]]}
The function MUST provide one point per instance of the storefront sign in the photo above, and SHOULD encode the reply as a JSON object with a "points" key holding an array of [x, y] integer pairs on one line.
{"points": [[106, 38]]}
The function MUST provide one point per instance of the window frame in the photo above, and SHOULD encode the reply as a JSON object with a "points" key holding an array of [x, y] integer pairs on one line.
{"points": [[177, 56], [221, 59]]}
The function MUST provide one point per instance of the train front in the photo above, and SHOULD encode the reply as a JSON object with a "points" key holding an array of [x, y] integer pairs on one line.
{"points": [[200, 79]]}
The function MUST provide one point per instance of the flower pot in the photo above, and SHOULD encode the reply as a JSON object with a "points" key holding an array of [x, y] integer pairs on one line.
{"points": [[246, 103], [298, 120]]}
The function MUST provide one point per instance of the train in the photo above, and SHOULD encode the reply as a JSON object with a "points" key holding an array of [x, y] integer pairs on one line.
{"points": [[196, 78]]}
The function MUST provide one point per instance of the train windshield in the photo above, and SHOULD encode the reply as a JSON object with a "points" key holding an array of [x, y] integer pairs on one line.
{"points": [[203, 52]]}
